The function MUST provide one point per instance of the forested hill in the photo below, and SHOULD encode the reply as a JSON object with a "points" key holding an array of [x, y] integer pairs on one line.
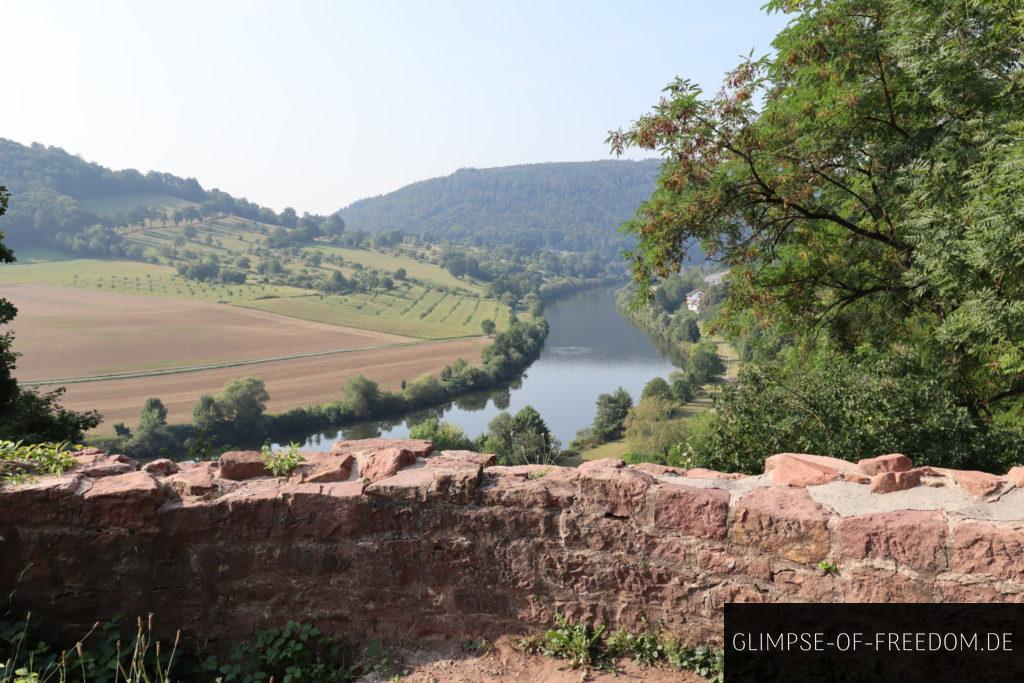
{"points": [[35, 167], [576, 206], [59, 199]]}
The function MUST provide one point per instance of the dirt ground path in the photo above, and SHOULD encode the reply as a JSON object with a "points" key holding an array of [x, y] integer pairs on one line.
{"points": [[505, 663], [703, 400]]}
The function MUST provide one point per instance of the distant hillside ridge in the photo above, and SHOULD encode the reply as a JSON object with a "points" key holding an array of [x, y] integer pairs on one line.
{"points": [[56, 196], [25, 168], [574, 206]]}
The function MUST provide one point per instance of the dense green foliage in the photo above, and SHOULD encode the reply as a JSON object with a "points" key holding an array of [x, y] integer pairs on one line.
{"points": [[521, 439], [611, 414], [864, 186], [444, 435], [609, 422], [849, 409], [26, 414], [20, 462], [560, 206], [654, 425]]}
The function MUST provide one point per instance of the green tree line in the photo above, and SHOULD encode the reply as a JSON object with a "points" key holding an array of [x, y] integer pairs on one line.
{"points": [[863, 185]]}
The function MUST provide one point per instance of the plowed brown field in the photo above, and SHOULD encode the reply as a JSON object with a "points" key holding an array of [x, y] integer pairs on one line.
{"points": [[67, 333]]}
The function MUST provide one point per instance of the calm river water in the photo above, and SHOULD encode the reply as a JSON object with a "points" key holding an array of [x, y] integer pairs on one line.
{"points": [[591, 349]]}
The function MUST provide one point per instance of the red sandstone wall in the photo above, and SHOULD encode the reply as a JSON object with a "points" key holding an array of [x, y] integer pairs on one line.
{"points": [[447, 545]]}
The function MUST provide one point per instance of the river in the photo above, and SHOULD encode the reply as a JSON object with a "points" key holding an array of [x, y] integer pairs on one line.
{"points": [[591, 349]]}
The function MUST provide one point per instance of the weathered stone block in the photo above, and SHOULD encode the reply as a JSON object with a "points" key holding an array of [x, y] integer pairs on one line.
{"points": [[194, 481], [911, 538], [1016, 476], [462, 457], [324, 468], [242, 465], [613, 490], [783, 521], [531, 486], [893, 462], [161, 467], [801, 469], [49, 500], [693, 511], [981, 548], [890, 482], [418, 447], [871, 584], [977, 484], [385, 463], [128, 500], [323, 510], [656, 470]]}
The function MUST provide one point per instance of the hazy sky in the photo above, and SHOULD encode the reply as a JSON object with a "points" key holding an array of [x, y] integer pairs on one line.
{"points": [[315, 104]]}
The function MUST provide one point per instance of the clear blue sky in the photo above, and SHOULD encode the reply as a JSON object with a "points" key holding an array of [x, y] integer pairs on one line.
{"points": [[315, 104]]}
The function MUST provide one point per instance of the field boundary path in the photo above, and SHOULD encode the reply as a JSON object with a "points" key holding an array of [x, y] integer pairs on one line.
{"points": [[234, 364], [703, 400]]}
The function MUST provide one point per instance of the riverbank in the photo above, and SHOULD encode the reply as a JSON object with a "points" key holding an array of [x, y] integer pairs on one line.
{"points": [[590, 349], [703, 400]]}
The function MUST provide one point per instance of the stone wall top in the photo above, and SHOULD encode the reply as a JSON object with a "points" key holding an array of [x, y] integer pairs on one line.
{"points": [[114, 490]]}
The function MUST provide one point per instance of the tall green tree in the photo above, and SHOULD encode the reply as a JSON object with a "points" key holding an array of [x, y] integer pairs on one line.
{"points": [[25, 414], [521, 439], [8, 385], [361, 395], [153, 414], [242, 402], [611, 414], [864, 187]]}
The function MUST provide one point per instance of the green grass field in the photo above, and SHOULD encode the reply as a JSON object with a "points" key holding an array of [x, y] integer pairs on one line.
{"points": [[132, 277], [428, 272], [233, 236], [415, 312], [121, 203], [612, 449], [409, 309], [40, 255]]}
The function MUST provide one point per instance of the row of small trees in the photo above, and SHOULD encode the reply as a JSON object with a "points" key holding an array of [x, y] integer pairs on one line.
{"points": [[522, 438], [236, 416]]}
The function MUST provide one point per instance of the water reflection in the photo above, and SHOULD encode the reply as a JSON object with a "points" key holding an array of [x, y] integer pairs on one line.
{"points": [[590, 350]]}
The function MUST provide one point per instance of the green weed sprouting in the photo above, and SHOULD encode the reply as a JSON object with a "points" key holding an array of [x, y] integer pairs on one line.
{"points": [[282, 463], [20, 461], [100, 655], [297, 651], [585, 646]]}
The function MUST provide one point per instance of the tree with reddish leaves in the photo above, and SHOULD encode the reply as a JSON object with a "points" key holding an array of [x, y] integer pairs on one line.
{"points": [[864, 187]]}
